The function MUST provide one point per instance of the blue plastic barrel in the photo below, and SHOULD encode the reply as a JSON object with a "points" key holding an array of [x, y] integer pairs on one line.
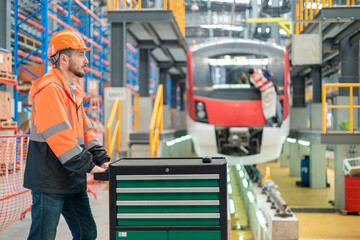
{"points": [[305, 170]]}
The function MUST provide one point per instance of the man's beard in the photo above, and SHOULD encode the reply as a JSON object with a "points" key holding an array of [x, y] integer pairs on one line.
{"points": [[75, 71]]}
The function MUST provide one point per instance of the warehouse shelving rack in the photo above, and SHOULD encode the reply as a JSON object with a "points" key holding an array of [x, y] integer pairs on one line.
{"points": [[65, 14]]}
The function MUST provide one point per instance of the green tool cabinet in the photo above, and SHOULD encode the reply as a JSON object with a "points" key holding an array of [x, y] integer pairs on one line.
{"points": [[167, 199]]}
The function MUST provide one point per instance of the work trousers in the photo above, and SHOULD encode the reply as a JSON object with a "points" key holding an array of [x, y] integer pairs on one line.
{"points": [[47, 208]]}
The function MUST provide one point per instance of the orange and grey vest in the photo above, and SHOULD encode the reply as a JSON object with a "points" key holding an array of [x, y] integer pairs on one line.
{"points": [[63, 146], [260, 82]]}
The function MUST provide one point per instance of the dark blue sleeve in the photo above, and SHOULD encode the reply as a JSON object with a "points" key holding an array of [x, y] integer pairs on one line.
{"points": [[266, 74]]}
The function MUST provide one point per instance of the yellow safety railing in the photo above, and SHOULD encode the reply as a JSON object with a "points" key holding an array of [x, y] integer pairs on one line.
{"points": [[136, 110], [156, 123], [116, 4], [307, 9], [285, 25], [178, 9], [176, 6], [350, 106], [111, 140]]}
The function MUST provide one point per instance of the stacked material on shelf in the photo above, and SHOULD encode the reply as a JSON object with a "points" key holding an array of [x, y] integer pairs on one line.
{"points": [[5, 111], [5, 61]]}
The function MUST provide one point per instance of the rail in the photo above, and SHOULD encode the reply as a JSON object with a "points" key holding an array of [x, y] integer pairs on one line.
{"points": [[176, 6], [111, 140], [156, 123], [350, 106], [307, 9]]}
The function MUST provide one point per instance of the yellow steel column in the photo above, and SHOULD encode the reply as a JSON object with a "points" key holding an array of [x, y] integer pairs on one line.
{"points": [[297, 31], [311, 10], [301, 15], [118, 116], [306, 12], [324, 109], [138, 5]]}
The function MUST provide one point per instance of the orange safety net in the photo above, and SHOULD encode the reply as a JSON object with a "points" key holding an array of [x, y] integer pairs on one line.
{"points": [[15, 200]]}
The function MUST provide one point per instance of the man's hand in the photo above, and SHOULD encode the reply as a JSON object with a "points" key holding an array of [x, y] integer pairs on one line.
{"points": [[97, 169], [105, 165]]}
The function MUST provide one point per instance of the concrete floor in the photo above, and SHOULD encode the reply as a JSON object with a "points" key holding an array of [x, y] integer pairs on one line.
{"points": [[324, 226]]}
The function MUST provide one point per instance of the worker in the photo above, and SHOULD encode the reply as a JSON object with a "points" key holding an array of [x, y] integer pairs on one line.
{"points": [[268, 95], [268, 75], [243, 79], [63, 147]]}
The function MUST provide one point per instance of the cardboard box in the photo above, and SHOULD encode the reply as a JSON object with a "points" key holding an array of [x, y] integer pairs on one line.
{"points": [[5, 105], [5, 61], [105, 84], [37, 69]]}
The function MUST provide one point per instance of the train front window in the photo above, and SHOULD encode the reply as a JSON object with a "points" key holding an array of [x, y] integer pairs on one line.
{"points": [[231, 71]]}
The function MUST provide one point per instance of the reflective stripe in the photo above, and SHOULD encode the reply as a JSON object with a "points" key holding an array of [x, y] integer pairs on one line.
{"points": [[258, 78], [68, 110], [66, 156], [80, 140], [63, 90], [260, 82], [33, 111], [34, 135], [55, 129], [91, 143], [266, 86], [87, 127]]}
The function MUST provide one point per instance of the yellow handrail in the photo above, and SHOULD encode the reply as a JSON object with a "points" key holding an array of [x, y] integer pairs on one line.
{"points": [[304, 10], [111, 140], [114, 4], [136, 110], [350, 106], [156, 117], [176, 6]]}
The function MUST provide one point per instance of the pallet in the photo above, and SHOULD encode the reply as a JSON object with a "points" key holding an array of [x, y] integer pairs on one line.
{"points": [[7, 124], [7, 76], [24, 87], [26, 82], [346, 212]]}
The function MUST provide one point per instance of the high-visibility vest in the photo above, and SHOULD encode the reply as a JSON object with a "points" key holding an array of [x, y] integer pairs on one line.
{"points": [[260, 82]]}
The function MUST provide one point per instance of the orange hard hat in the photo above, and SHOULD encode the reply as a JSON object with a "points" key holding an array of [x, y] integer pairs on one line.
{"points": [[66, 39]]}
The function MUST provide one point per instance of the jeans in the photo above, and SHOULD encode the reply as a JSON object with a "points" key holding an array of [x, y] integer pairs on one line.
{"points": [[46, 210], [270, 121]]}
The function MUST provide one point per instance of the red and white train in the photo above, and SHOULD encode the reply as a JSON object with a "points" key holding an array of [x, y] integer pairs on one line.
{"points": [[225, 116]]}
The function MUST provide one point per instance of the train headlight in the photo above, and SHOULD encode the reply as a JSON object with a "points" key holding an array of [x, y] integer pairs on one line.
{"points": [[200, 112], [200, 106]]}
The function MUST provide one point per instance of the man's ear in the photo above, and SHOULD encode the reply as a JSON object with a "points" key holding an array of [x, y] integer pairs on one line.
{"points": [[64, 58]]}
